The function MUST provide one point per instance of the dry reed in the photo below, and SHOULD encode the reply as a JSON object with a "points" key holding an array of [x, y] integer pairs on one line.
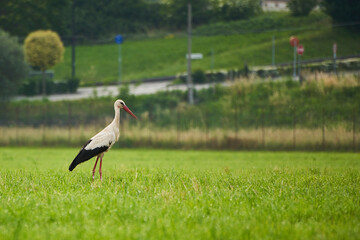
{"points": [[338, 138]]}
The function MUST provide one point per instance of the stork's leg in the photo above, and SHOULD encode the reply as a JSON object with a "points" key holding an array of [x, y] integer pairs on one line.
{"points": [[97, 158], [100, 171]]}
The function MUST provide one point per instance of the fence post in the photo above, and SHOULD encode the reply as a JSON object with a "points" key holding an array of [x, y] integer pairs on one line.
{"points": [[69, 121], [354, 130], [323, 129], [149, 132], [207, 125], [27, 118], [263, 127], [17, 124], [45, 108], [177, 127], [236, 121], [294, 129]]}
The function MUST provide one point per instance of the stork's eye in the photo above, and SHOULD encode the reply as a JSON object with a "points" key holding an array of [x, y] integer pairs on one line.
{"points": [[122, 103]]}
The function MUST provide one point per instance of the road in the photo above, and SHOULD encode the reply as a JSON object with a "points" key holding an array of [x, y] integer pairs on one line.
{"points": [[101, 91]]}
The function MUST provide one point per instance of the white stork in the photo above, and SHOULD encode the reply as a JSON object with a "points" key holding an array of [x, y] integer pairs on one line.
{"points": [[103, 141]]}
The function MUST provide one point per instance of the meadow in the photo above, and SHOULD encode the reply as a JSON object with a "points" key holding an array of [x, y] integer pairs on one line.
{"points": [[172, 194]]}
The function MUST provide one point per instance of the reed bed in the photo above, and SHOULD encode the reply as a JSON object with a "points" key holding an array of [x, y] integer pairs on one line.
{"points": [[336, 138]]}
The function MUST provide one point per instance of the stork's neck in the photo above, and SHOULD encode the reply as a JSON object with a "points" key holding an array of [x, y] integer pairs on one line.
{"points": [[116, 120]]}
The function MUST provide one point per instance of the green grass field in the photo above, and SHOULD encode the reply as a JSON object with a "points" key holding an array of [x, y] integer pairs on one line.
{"points": [[156, 57], [157, 194]]}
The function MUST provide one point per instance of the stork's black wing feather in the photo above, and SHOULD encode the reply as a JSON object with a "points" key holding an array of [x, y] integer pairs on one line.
{"points": [[86, 154]]}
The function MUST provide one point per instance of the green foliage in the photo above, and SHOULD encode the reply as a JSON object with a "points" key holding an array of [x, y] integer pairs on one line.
{"points": [[22, 17], [232, 10], [97, 19], [198, 76], [178, 9], [342, 11], [13, 68], [264, 22], [32, 86], [147, 194], [273, 102], [43, 49], [72, 84], [302, 7]]}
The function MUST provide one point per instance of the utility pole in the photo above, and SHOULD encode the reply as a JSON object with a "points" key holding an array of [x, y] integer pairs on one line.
{"points": [[73, 53], [334, 55], [120, 65], [189, 80], [119, 40], [295, 47], [212, 69]]}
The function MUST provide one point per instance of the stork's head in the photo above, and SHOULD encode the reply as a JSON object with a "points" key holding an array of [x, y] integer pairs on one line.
{"points": [[121, 104]]}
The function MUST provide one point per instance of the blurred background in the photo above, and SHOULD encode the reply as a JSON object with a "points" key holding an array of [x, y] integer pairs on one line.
{"points": [[268, 75]]}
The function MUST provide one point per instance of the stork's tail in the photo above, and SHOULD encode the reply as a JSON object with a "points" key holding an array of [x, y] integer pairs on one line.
{"points": [[73, 164], [86, 154], [83, 156]]}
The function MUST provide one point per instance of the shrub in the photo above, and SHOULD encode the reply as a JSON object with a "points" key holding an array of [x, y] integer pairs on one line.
{"points": [[198, 76], [73, 84], [31, 86], [301, 7], [12, 66], [342, 10]]}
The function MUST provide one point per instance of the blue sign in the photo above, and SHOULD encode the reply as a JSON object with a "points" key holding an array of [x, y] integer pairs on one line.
{"points": [[119, 39]]}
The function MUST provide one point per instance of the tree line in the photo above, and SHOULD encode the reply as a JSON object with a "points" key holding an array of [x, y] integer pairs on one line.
{"points": [[100, 19], [94, 19]]}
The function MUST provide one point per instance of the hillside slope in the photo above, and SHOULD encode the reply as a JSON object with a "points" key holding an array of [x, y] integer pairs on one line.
{"points": [[233, 44]]}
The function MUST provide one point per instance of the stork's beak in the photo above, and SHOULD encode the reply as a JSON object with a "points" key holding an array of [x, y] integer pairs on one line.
{"points": [[129, 111]]}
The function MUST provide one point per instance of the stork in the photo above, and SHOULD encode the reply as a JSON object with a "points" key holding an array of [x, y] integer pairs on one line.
{"points": [[103, 141]]}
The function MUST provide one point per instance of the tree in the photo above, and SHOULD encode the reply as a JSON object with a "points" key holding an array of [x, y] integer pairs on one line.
{"points": [[177, 11], [232, 10], [302, 7], [23, 16], [342, 10], [13, 68], [43, 49]]}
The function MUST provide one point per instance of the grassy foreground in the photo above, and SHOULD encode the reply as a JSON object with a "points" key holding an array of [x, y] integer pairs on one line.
{"points": [[148, 194]]}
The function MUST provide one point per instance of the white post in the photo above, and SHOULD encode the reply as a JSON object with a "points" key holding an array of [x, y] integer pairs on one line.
{"points": [[300, 68], [295, 47], [334, 53], [120, 62]]}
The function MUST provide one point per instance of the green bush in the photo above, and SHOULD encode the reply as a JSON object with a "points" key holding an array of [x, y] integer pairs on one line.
{"points": [[342, 10], [301, 7], [198, 76], [60, 87], [12, 66], [73, 84], [32, 86]]}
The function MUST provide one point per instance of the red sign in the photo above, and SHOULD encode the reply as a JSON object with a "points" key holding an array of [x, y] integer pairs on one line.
{"points": [[294, 41], [300, 49]]}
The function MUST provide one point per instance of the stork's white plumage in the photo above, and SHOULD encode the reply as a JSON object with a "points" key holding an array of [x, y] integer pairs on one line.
{"points": [[103, 141]]}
